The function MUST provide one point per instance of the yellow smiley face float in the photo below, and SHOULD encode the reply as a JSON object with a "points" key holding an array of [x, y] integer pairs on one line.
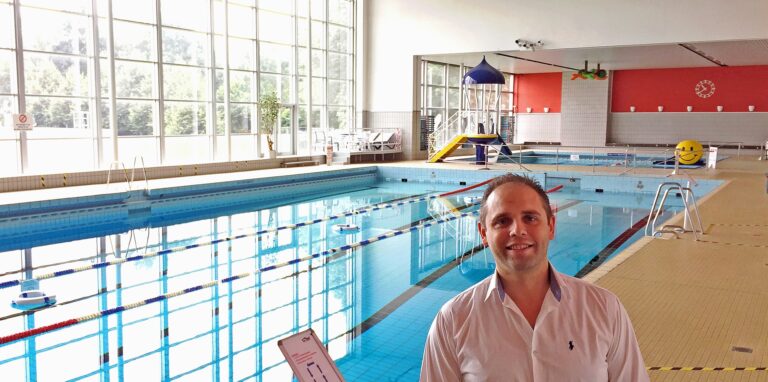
{"points": [[690, 151]]}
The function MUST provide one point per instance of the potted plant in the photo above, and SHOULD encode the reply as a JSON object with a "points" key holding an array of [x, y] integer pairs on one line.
{"points": [[270, 107]]}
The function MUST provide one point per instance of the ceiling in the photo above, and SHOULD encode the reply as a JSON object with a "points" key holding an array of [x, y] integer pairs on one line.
{"points": [[686, 55]]}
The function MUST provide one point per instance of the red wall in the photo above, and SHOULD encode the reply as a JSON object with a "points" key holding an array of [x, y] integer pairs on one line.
{"points": [[538, 90], [735, 88]]}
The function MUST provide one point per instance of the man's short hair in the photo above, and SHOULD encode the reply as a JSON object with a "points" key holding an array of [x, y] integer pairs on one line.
{"points": [[517, 179]]}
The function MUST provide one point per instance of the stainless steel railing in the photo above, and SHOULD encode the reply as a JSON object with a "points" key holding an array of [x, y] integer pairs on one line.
{"points": [[657, 209]]}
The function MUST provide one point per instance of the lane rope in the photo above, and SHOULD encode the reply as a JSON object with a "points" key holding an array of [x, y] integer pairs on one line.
{"points": [[460, 190], [63, 272], [347, 247], [107, 312]]}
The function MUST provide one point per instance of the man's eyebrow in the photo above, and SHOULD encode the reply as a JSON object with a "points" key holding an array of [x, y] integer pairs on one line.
{"points": [[498, 215]]}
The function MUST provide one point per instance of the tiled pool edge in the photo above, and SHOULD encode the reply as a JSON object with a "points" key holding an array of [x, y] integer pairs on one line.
{"points": [[635, 247], [34, 217]]}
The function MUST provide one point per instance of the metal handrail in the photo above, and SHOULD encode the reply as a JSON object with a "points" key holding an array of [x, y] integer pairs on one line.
{"points": [[116, 165], [739, 145], [443, 133], [143, 170], [518, 161], [658, 206]]}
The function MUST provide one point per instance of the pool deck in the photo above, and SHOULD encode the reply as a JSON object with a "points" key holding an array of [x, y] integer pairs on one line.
{"points": [[697, 303], [693, 303]]}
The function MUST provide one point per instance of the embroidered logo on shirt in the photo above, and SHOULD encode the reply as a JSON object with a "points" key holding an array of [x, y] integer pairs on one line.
{"points": [[570, 345]]}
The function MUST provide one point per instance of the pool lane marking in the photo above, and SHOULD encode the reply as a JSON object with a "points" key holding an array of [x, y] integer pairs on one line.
{"points": [[391, 203], [606, 252], [375, 207], [704, 368], [107, 312], [88, 258], [409, 293], [332, 258]]}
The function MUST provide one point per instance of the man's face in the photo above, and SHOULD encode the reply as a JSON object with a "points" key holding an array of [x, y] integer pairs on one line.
{"points": [[517, 229]]}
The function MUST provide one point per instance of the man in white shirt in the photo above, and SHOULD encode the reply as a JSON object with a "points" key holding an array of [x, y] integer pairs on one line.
{"points": [[528, 322]]}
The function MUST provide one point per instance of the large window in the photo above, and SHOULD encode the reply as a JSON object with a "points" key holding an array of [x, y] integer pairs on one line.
{"points": [[9, 146], [441, 93], [180, 80]]}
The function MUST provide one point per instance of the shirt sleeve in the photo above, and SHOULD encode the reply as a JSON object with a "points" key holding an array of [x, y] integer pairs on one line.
{"points": [[440, 363], [625, 363]]}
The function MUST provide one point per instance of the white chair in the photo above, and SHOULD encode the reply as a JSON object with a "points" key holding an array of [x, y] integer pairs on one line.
{"points": [[318, 141]]}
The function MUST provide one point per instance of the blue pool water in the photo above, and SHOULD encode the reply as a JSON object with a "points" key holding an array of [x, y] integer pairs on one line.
{"points": [[371, 304], [617, 159]]}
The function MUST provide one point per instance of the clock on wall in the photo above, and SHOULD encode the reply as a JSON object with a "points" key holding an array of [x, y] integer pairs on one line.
{"points": [[705, 88]]}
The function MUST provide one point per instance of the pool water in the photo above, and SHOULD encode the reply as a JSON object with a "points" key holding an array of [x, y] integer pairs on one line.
{"points": [[618, 159], [371, 303]]}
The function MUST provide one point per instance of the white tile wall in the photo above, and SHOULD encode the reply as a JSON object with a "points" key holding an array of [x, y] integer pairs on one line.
{"points": [[584, 111], [670, 128], [537, 127], [407, 122]]}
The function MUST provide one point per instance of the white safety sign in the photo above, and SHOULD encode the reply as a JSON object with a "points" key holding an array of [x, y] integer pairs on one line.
{"points": [[712, 158], [22, 122]]}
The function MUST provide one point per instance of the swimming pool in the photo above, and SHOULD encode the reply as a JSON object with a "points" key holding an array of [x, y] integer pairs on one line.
{"points": [[370, 294], [604, 159]]}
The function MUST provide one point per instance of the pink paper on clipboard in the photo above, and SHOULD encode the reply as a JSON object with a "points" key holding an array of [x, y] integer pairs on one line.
{"points": [[308, 358]]}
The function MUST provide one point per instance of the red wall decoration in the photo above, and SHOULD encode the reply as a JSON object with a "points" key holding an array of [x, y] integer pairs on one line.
{"points": [[735, 88], [537, 91]]}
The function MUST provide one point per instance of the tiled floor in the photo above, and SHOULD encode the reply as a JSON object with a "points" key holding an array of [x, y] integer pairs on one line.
{"points": [[693, 304]]}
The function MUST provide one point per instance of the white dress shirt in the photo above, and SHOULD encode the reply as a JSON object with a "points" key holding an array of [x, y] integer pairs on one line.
{"points": [[582, 333]]}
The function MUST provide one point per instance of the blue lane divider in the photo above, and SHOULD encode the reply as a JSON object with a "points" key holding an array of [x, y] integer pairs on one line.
{"points": [[375, 207], [107, 312]]}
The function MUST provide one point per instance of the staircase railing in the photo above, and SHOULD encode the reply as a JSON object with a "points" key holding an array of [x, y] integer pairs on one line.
{"points": [[445, 131]]}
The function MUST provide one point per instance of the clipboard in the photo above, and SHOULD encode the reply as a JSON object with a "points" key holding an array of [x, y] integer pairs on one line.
{"points": [[308, 358]]}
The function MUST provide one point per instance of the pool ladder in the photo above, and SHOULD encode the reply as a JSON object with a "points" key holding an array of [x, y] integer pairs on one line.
{"points": [[129, 181], [688, 222]]}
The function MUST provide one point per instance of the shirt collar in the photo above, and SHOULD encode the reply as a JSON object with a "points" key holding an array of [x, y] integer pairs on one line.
{"points": [[555, 282]]}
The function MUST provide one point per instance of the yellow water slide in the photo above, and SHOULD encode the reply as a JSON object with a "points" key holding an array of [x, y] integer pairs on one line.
{"points": [[457, 141]]}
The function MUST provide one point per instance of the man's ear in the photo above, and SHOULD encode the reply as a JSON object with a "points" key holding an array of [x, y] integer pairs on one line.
{"points": [[552, 227], [481, 229]]}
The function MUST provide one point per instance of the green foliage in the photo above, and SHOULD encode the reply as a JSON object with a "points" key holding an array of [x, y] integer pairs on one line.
{"points": [[270, 107], [58, 86]]}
